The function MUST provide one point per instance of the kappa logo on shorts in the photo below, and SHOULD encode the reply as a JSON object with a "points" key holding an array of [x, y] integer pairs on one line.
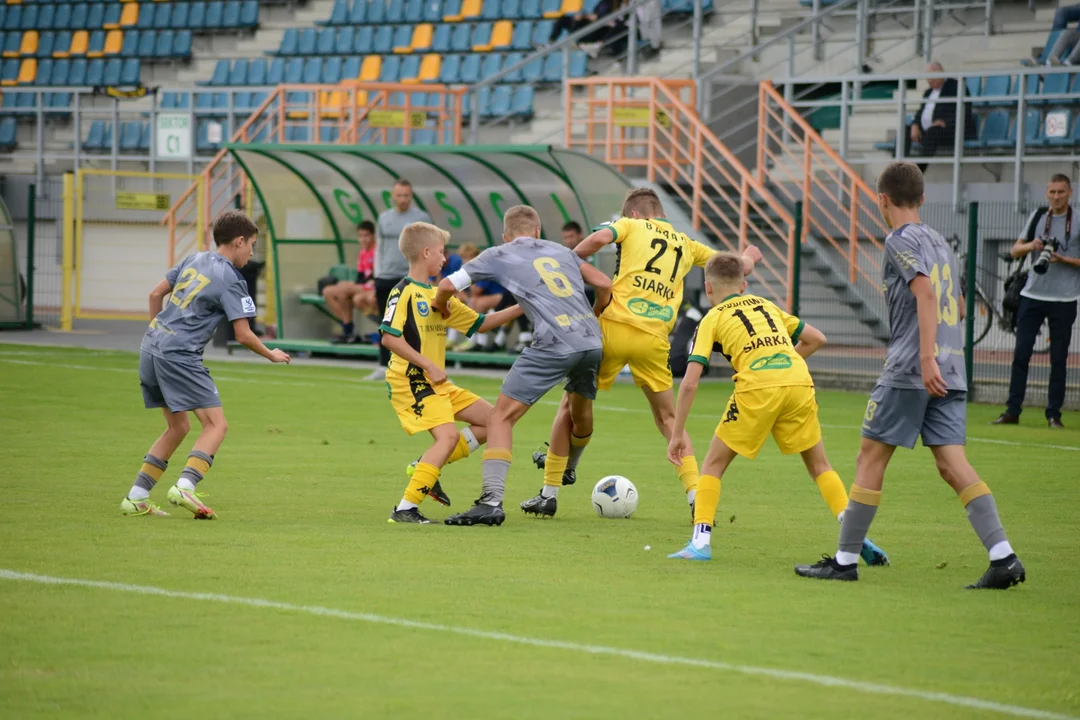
{"points": [[422, 308], [648, 309], [779, 361], [732, 412]]}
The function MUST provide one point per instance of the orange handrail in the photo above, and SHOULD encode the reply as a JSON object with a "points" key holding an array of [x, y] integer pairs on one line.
{"points": [[650, 123]]}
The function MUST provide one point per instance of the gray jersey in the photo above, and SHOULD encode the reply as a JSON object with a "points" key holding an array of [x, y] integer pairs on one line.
{"points": [[1060, 282], [912, 250], [206, 289], [544, 278], [389, 262]]}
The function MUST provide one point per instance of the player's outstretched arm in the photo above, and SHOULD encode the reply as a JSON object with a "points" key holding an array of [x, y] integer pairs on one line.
{"points": [[400, 347], [601, 283], [751, 256], [687, 392], [926, 303], [592, 244], [501, 317], [443, 293], [810, 341], [244, 336], [157, 297]]}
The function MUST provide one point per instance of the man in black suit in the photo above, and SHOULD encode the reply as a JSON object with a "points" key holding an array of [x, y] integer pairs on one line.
{"points": [[934, 126]]}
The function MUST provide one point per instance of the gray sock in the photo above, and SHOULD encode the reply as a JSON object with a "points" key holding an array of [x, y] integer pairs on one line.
{"points": [[494, 473], [191, 473], [857, 519], [143, 480], [983, 515], [575, 454]]}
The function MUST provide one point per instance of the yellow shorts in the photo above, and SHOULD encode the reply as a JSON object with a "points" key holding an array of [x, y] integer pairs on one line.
{"points": [[645, 353], [789, 413], [420, 407]]}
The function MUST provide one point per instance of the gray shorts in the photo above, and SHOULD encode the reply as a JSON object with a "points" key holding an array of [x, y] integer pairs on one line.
{"points": [[536, 372], [177, 385], [897, 416]]}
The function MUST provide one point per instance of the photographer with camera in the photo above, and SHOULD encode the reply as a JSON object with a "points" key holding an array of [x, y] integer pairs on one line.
{"points": [[1050, 294]]}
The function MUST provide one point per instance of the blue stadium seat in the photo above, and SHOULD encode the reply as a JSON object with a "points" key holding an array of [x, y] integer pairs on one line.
{"points": [[290, 42], [238, 75], [384, 39], [94, 19], [112, 74], [99, 138], [450, 73], [174, 101], [542, 31], [79, 16], [451, 8], [501, 100], [165, 43], [214, 13], [230, 15], [62, 72], [78, 72], [59, 100], [376, 12], [1056, 84], [9, 71], [46, 17], [331, 72], [63, 40], [306, 43], [339, 14], [147, 43], [44, 72], [510, 10], [129, 137], [973, 87], [351, 69], [12, 17], [343, 40], [531, 9], [440, 41], [395, 11], [324, 44], [112, 15], [410, 67], [365, 39], [202, 137], [522, 37], [1031, 87], [579, 64], [210, 103], [1070, 126], [297, 134], [358, 12], [182, 44], [511, 60], [46, 43], [257, 72], [1044, 57], [96, 46], [433, 11], [30, 17], [196, 16], [180, 16], [491, 10], [481, 34], [470, 69], [414, 11], [221, 74], [8, 133], [391, 69], [163, 16], [996, 85], [312, 70], [95, 72], [62, 20], [459, 38], [328, 134], [553, 68], [12, 42], [1033, 128], [996, 130], [491, 64], [968, 144], [534, 70], [275, 72], [249, 14], [402, 36]]}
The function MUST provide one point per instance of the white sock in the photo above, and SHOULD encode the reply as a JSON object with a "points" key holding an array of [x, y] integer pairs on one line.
{"points": [[690, 496], [846, 558], [500, 337], [702, 536], [840, 517], [482, 340], [1000, 551], [405, 505], [492, 503], [184, 484], [470, 440], [550, 491], [138, 493]]}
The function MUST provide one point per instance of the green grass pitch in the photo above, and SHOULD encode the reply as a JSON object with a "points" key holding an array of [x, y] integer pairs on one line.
{"points": [[303, 485]]}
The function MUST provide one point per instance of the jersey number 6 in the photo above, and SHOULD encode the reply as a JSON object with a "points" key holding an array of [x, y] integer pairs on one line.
{"points": [[556, 282]]}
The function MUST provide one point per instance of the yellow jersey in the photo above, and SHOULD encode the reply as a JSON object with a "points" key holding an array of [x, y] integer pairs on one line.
{"points": [[651, 262], [411, 314], [757, 338]]}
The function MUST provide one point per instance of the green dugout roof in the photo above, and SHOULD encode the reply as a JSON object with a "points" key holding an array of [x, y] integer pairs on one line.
{"points": [[313, 197]]}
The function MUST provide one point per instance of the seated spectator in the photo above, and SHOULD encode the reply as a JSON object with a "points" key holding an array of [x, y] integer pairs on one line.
{"points": [[572, 23], [1066, 50], [934, 127], [343, 296]]}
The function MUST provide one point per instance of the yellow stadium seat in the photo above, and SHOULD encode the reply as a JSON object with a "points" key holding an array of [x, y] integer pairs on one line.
{"points": [[79, 40], [330, 103], [569, 7], [430, 67], [421, 37], [501, 35], [14, 2], [29, 43], [114, 41], [406, 49], [27, 71], [469, 9], [129, 16], [361, 98], [371, 68]]}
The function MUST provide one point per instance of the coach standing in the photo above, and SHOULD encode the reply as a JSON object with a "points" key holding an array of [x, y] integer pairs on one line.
{"points": [[1051, 296], [391, 267]]}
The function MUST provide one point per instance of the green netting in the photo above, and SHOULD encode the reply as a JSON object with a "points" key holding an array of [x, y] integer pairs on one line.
{"points": [[313, 197]]}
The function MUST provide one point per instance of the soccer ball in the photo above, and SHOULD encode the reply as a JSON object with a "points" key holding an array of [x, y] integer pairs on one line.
{"points": [[615, 497]]}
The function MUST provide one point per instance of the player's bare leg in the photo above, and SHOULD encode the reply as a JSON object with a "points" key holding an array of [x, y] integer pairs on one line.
{"points": [[154, 465], [570, 434], [716, 464], [200, 459], [662, 405], [1005, 568], [426, 474], [832, 490], [339, 302]]}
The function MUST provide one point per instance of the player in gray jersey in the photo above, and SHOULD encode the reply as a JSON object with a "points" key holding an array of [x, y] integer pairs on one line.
{"points": [[922, 389], [548, 282], [204, 289]]}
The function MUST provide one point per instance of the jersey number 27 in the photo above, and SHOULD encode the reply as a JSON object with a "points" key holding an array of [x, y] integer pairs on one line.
{"points": [[187, 278]]}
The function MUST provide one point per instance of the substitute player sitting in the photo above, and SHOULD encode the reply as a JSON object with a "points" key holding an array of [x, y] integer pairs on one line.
{"points": [[424, 399], [548, 281], [774, 394], [203, 289], [647, 292]]}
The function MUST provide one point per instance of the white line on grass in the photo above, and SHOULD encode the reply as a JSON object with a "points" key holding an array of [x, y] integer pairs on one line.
{"points": [[812, 678], [377, 386]]}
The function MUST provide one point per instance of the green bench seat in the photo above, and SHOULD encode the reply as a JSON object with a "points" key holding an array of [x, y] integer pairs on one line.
{"points": [[322, 347]]}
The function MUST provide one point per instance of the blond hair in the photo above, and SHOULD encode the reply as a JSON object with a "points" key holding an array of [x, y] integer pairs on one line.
{"points": [[644, 201], [468, 251], [520, 221], [724, 269], [418, 236]]}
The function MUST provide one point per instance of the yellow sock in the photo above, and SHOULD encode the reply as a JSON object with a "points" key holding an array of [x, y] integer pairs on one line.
{"points": [[973, 491], [708, 499], [424, 477], [866, 497], [198, 464], [461, 450], [688, 473], [153, 471], [832, 489], [554, 468]]}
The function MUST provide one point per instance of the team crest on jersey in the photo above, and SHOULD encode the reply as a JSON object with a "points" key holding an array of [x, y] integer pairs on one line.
{"points": [[422, 308], [779, 361], [648, 309]]}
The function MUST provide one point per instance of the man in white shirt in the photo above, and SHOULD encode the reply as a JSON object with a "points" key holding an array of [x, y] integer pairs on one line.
{"points": [[934, 126]]}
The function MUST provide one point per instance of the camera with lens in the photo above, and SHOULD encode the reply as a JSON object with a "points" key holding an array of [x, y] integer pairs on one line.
{"points": [[1041, 263]]}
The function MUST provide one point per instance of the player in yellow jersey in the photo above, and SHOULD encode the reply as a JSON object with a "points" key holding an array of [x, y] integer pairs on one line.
{"points": [[774, 394], [424, 399], [647, 290]]}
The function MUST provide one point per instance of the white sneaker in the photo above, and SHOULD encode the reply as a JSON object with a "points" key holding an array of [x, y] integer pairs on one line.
{"points": [[378, 373]]}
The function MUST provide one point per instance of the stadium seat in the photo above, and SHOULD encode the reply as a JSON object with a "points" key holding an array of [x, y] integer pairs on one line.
{"points": [[490, 65], [46, 17], [996, 130], [481, 38], [553, 68], [197, 16], [410, 69], [501, 100], [221, 74], [1056, 84], [62, 18], [414, 11], [238, 75], [312, 70], [542, 31], [533, 71], [130, 47], [12, 43], [60, 100], [459, 38], [1044, 57], [130, 71], [384, 39], [78, 72], [111, 74], [451, 11], [358, 12], [129, 137], [79, 41], [343, 40], [331, 72], [61, 72], [146, 18], [470, 69], [395, 11], [509, 61], [249, 14], [491, 10], [230, 14], [579, 64], [376, 12], [510, 10], [551, 8], [402, 40], [95, 72], [451, 70], [522, 37], [147, 43], [9, 72], [391, 69], [422, 37], [95, 18], [973, 87], [530, 9], [339, 14], [214, 12], [275, 72], [62, 43], [44, 72], [351, 68], [306, 42], [1031, 86], [328, 133], [114, 42], [996, 86], [175, 101], [163, 16], [180, 14], [1033, 128], [182, 44], [163, 48], [440, 41], [365, 39], [290, 42], [433, 12], [29, 19], [28, 45], [99, 138], [371, 68], [502, 35]]}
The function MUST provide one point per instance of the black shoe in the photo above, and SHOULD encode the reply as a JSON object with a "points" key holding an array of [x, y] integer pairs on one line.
{"points": [[1006, 419], [412, 515], [343, 339], [569, 476], [479, 514], [1001, 575], [540, 458], [828, 569], [1055, 424], [540, 506], [437, 494]]}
